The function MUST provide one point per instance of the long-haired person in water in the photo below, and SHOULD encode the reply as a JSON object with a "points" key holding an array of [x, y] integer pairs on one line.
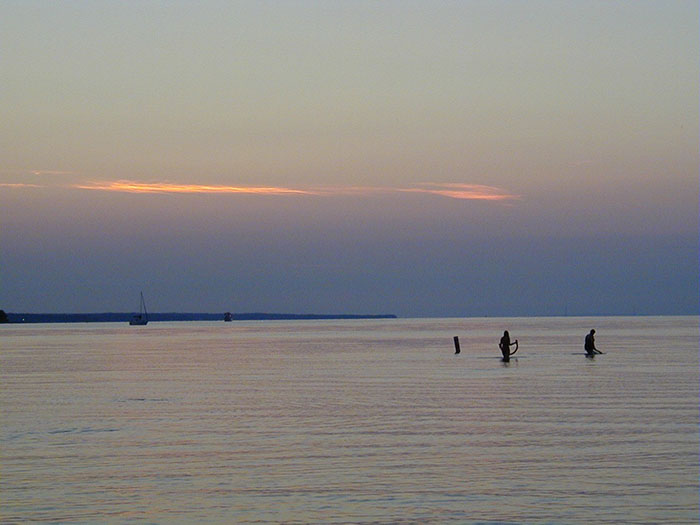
{"points": [[505, 345]]}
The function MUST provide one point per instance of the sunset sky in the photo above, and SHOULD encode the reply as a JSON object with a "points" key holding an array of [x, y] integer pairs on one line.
{"points": [[460, 158]]}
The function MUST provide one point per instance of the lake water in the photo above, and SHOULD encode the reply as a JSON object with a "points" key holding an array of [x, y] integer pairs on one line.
{"points": [[364, 421]]}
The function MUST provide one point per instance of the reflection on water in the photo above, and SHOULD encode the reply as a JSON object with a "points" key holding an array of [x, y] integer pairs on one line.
{"points": [[351, 421]]}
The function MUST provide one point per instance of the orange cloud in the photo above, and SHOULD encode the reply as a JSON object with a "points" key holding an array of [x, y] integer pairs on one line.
{"points": [[450, 190], [128, 186], [18, 185]]}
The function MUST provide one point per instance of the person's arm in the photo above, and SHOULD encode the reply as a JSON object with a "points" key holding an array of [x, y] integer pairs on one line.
{"points": [[516, 347]]}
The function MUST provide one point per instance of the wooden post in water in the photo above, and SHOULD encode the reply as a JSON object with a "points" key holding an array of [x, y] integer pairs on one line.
{"points": [[456, 339]]}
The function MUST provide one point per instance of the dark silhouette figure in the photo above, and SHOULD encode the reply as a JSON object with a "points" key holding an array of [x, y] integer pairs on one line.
{"points": [[3, 317], [505, 345], [589, 344]]}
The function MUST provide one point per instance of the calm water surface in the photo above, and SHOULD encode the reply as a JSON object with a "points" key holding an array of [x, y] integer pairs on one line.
{"points": [[350, 422]]}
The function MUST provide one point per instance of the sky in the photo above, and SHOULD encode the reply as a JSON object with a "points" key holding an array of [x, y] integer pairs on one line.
{"points": [[446, 158]]}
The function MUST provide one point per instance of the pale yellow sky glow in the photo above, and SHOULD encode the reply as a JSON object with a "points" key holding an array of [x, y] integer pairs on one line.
{"points": [[51, 172], [448, 158]]}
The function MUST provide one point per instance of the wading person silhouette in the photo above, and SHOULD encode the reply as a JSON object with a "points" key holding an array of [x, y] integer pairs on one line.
{"points": [[505, 345], [589, 344]]}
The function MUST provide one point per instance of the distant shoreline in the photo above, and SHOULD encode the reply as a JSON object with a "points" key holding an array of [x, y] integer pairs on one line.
{"points": [[121, 317]]}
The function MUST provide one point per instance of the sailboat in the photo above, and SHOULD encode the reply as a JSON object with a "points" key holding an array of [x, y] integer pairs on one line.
{"points": [[141, 318]]}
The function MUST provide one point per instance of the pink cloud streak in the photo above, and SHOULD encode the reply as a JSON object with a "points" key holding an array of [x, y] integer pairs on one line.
{"points": [[465, 191]]}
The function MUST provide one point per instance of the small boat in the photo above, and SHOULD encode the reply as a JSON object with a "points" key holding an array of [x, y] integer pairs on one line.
{"points": [[228, 317], [141, 318]]}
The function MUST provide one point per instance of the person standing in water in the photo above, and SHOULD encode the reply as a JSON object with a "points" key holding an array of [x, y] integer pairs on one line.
{"points": [[505, 345], [589, 344]]}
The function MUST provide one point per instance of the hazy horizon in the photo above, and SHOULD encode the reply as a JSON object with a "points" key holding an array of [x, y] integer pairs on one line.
{"points": [[481, 158]]}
